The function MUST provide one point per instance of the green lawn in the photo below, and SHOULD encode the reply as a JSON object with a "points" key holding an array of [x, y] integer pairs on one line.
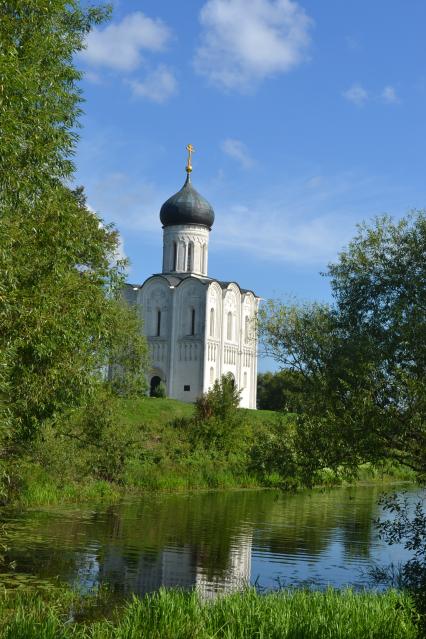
{"points": [[157, 412]]}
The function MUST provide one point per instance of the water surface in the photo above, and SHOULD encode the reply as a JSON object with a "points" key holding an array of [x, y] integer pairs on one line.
{"points": [[211, 541]]}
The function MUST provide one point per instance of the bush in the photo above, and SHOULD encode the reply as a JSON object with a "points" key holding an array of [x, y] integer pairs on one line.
{"points": [[218, 423], [159, 391], [221, 401]]}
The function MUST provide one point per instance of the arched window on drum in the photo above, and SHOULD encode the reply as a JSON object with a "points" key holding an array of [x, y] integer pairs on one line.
{"points": [[190, 257], [175, 256], [204, 259]]}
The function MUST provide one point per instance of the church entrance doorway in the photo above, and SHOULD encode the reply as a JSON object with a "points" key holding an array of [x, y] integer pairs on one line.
{"points": [[155, 383]]}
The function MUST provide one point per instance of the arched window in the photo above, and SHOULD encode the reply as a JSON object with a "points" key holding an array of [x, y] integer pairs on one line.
{"points": [[246, 329], [190, 257], [245, 380], [204, 258], [211, 375], [192, 319], [229, 326], [158, 323], [175, 254], [212, 322]]}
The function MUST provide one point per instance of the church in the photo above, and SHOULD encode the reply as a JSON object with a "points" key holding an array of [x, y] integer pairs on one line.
{"points": [[198, 328]]}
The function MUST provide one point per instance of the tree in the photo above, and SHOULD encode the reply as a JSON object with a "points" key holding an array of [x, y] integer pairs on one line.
{"points": [[362, 359], [61, 318], [279, 391]]}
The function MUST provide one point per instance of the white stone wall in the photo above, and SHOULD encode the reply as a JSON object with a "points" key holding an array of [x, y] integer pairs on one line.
{"points": [[231, 344], [185, 249], [188, 340], [205, 332], [156, 296]]}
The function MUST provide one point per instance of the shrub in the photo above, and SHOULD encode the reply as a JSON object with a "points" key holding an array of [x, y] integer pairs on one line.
{"points": [[159, 391], [221, 401]]}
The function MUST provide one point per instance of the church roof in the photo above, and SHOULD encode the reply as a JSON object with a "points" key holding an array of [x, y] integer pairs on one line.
{"points": [[187, 206], [177, 278]]}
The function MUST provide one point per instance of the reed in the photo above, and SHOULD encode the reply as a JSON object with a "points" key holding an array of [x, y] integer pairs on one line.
{"points": [[171, 614]]}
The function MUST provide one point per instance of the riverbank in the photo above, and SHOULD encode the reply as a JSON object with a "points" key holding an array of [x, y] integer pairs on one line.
{"points": [[155, 445], [178, 615]]}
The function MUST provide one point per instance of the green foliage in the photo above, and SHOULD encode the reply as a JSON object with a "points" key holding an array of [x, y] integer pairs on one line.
{"points": [[61, 319], [159, 391], [279, 391], [273, 452], [218, 423], [182, 615], [134, 444], [407, 526], [131, 445], [363, 360], [221, 401]]}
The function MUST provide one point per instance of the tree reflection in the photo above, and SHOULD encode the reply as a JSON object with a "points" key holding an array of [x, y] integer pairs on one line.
{"points": [[202, 540]]}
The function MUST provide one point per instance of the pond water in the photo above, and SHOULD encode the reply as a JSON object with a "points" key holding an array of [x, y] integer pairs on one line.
{"points": [[211, 541]]}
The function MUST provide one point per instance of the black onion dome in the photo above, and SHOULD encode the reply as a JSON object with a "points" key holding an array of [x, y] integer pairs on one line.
{"points": [[187, 206]]}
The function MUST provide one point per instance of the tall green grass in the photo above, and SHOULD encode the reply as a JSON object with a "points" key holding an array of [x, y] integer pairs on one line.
{"points": [[247, 615]]}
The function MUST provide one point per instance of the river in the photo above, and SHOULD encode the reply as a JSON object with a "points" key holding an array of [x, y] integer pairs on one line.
{"points": [[211, 541]]}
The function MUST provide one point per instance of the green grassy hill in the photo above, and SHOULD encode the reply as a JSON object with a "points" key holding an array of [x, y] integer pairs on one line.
{"points": [[154, 444], [158, 412], [145, 444]]}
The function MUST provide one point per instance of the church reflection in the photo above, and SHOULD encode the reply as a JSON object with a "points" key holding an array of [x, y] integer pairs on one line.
{"points": [[177, 567], [212, 542]]}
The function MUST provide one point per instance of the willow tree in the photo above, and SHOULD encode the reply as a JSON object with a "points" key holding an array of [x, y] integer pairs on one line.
{"points": [[361, 360], [60, 314]]}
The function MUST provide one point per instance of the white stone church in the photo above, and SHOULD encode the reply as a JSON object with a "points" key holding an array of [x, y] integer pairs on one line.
{"points": [[198, 328]]}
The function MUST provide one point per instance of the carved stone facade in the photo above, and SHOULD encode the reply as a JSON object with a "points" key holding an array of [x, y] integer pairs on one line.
{"points": [[185, 249], [199, 329]]}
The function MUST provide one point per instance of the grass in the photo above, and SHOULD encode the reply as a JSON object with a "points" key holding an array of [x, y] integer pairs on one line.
{"points": [[45, 490], [165, 455], [178, 615], [153, 411], [157, 412], [152, 445]]}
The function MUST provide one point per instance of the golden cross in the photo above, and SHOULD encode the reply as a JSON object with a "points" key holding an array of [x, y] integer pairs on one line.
{"points": [[190, 150]]}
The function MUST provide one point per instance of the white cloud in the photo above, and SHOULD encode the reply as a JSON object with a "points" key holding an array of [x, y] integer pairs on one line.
{"points": [[356, 94], [389, 95], [158, 86], [120, 253], [244, 42], [238, 151], [93, 77], [292, 224], [130, 202], [119, 45], [303, 221]]}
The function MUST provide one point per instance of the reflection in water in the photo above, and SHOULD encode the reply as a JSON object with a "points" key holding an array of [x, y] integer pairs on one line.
{"points": [[213, 542]]}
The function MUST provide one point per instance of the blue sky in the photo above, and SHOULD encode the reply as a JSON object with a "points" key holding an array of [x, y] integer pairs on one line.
{"points": [[307, 118]]}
